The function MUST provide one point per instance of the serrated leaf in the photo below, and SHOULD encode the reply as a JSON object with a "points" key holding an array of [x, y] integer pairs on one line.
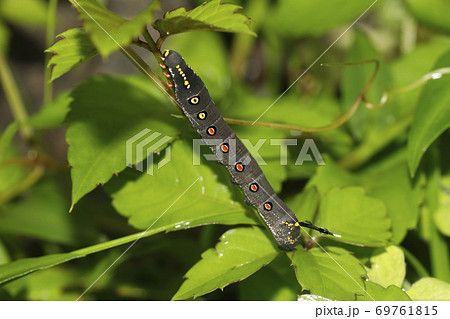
{"points": [[52, 115], [431, 289], [107, 30], [212, 15], [334, 274], [240, 253], [315, 17], [358, 218], [105, 113], [181, 195], [387, 267], [71, 50], [432, 116], [375, 292], [432, 13]]}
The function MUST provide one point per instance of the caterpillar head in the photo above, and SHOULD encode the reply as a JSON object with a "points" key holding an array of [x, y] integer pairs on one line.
{"points": [[186, 82]]}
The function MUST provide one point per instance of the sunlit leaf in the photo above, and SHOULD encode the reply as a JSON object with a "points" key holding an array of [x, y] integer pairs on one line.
{"points": [[334, 273], [212, 15], [375, 292], [240, 253], [181, 195], [432, 115], [109, 31], [358, 218], [431, 289], [71, 50], [105, 113], [387, 267]]}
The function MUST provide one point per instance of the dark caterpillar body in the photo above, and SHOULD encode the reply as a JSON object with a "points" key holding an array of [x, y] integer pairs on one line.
{"points": [[204, 116]]}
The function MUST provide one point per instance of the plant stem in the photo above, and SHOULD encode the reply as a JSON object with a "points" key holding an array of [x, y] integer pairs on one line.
{"points": [[134, 58], [14, 98], [415, 263], [50, 36]]}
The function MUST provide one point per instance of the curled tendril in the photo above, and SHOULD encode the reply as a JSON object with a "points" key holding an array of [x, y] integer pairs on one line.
{"points": [[433, 75]]}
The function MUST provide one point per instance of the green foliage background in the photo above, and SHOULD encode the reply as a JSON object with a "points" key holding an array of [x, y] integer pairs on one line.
{"points": [[384, 187]]}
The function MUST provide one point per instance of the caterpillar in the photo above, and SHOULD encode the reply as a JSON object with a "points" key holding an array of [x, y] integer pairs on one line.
{"points": [[198, 107]]}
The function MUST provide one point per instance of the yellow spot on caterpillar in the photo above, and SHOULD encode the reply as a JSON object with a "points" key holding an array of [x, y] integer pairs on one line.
{"points": [[186, 83], [297, 224], [166, 53], [178, 66]]}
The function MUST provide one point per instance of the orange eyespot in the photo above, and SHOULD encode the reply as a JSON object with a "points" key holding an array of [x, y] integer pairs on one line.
{"points": [[201, 115], [224, 147], [211, 130], [169, 84], [167, 75], [268, 206], [163, 66], [254, 187], [239, 167]]}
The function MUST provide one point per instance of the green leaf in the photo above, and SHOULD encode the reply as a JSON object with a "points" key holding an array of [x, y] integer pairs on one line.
{"points": [[275, 282], [42, 214], [432, 115], [108, 31], [71, 50], [212, 15], [10, 175], [430, 289], [334, 273], [240, 253], [25, 266], [305, 204], [4, 38], [411, 67], [442, 214], [433, 13], [355, 78], [308, 297], [24, 12], [358, 218], [52, 115], [375, 292], [181, 203], [390, 183], [6, 138], [316, 17], [387, 266], [105, 113]]}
